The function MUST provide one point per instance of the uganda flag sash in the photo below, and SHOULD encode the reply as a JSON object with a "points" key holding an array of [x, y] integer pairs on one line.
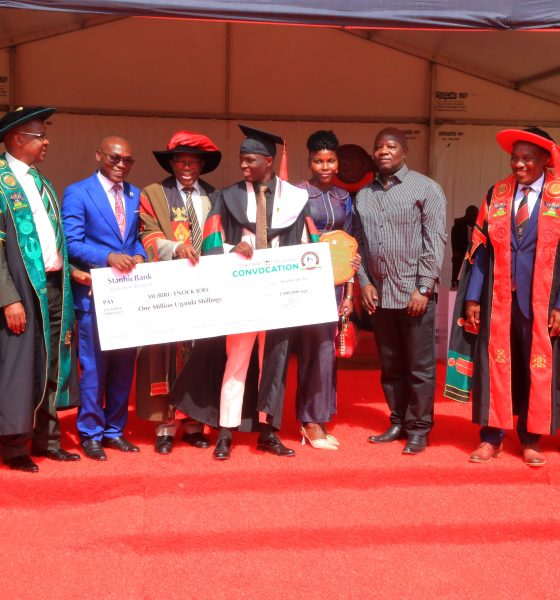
{"points": [[462, 340], [462, 337], [213, 236], [312, 230]]}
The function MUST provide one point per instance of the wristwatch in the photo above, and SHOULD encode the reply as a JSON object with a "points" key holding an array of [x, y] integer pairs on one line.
{"points": [[425, 291]]}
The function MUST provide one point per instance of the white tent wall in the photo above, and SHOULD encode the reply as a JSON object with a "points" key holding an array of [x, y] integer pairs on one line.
{"points": [[489, 102], [145, 78], [314, 74], [74, 138]]}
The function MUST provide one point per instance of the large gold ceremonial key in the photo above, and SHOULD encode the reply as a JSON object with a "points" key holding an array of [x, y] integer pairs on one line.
{"points": [[343, 248]]}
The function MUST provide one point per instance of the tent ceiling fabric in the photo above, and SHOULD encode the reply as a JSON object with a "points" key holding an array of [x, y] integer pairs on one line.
{"points": [[428, 14], [522, 60]]}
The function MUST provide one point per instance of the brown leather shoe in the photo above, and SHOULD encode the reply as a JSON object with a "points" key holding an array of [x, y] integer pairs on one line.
{"points": [[486, 452], [533, 457]]}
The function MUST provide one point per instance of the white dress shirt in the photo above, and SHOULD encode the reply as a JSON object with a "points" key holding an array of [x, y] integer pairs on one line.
{"points": [[108, 186], [536, 188], [51, 256]]}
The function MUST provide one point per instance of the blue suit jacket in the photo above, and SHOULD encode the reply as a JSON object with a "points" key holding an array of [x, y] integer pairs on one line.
{"points": [[522, 264], [523, 259], [92, 232]]}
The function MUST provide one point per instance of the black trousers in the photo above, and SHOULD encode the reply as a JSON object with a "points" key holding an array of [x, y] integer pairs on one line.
{"points": [[408, 374]]}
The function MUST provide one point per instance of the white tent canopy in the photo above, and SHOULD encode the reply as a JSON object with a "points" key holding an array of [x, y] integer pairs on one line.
{"points": [[145, 78]]}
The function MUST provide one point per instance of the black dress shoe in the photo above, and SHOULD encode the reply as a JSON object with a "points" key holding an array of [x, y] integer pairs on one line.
{"points": [[163, 444], [59, 454], [93, 449], [222, 451], [416, 443], [196, 439], [395, 432], [22, 463], [273, 445], [119, 443]]}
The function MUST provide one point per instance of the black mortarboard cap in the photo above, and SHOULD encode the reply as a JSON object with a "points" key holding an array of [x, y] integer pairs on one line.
{"points": [[259, 142]]}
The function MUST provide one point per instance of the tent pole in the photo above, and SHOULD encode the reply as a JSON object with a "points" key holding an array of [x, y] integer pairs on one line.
{"points": [[432, 125], [227, 74], [11, 77]]}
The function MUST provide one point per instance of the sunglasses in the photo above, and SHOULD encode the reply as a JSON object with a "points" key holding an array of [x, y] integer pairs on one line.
{"points": [[115, 159], [40, 136]]}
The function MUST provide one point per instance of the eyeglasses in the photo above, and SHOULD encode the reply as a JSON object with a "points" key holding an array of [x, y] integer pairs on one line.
{"points": [[40, 136], [186, 162], [115, 159]]}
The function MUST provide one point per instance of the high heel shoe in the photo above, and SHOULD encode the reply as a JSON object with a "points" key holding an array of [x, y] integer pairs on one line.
{"points": [[318, 444], [329, 436]]}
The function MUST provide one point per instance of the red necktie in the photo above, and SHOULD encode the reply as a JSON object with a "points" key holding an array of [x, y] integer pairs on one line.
{"points": [[522, 215], [119, 209]]}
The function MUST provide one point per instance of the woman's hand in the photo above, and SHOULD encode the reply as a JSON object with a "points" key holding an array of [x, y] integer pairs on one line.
{"points": [[355, 262], [346, 307]]}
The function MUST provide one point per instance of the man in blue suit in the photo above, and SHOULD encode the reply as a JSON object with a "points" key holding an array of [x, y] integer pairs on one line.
{"points": [[100, 216], [512, 299]]}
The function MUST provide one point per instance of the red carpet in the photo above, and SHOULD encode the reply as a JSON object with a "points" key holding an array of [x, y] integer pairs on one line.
{"points": [[362, 522]]}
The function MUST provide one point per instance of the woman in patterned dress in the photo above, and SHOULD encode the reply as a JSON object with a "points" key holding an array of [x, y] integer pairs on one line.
{"points": [[331, 208]]}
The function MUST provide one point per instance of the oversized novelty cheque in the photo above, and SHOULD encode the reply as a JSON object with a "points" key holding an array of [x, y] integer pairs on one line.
{"points": [[175, 300]]}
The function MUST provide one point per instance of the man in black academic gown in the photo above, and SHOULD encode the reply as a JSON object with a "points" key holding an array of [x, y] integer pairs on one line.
{"points": [[262, 211], [461, 233], [36, 312]]}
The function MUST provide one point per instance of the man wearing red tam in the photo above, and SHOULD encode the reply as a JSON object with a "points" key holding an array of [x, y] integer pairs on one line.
{"points": [[172, 215], [507, 314]]}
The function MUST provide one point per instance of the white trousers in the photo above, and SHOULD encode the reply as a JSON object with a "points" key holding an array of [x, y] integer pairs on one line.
{"points": [[239, 348], [170, 426]]}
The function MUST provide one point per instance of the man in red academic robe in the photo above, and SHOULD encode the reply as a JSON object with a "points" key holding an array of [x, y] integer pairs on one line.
{"points": [[511, 298]]}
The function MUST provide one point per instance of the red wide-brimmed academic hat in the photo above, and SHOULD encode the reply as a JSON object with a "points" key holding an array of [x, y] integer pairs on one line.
{"points": [[533, 135], [21, 115], [262, 142], [190, 143]]}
